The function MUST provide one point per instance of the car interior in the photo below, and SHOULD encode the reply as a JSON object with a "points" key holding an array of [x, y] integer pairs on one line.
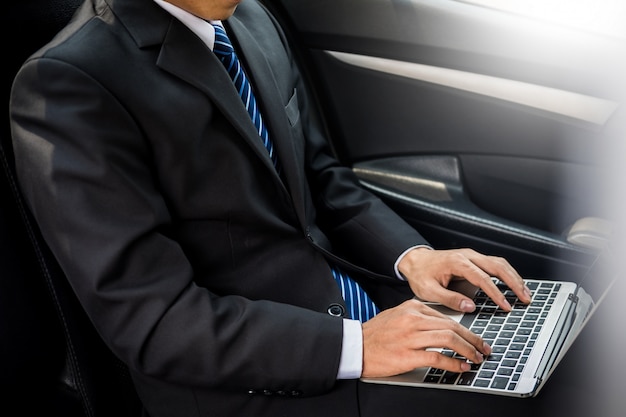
{"points": [[453, 113]]}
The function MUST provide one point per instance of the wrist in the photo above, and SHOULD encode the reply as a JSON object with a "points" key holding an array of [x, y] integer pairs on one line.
{"points": [[408, 259]]}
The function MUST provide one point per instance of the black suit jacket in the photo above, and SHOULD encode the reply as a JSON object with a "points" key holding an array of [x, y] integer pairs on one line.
{"points": [[201, 268]]}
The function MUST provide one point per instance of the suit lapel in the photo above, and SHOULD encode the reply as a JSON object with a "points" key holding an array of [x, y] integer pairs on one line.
{"points": [[272, 105], [179, 49]]}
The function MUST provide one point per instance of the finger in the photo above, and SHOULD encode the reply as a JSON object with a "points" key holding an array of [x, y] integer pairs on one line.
{"points": [[452, 299], [465, 266], [500, 268], [432, 322], [475, 270], [474, 350], [438, 360]]}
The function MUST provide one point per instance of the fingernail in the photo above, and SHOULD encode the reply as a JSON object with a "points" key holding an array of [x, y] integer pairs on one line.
{"points": [[486, 348], [506, 304], [527, 292], [467, 306], [465, 366], [479, 357]]}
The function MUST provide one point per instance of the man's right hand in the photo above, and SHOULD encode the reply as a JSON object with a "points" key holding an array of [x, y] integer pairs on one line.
{"points": [[396, 341]]}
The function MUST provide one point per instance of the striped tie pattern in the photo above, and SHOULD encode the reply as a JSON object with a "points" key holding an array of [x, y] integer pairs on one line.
{"points": [[360, 306], [224, 50]]}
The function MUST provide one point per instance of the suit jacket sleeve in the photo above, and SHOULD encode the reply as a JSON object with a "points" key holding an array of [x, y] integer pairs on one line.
{"points": [[361, 227]]}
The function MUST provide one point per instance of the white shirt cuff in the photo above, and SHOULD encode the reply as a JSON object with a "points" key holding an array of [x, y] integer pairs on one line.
{"points": [[351, 361]]}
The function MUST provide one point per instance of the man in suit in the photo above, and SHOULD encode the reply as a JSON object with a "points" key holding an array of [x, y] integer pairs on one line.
{"points": [[205, 268]]}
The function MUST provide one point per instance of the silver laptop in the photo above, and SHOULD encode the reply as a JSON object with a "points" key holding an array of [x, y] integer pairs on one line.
{"points": [[528, 342]]}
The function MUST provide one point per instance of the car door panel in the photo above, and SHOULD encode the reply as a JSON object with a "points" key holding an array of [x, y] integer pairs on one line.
{"points": [[506, 112], [429, 193]]}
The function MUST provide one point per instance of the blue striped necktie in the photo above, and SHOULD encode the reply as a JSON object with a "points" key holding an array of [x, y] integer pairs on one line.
{"points": [[224, 50], [359, 305]]}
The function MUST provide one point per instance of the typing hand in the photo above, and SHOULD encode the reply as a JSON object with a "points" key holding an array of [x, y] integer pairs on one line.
{"points": [[429, 273], [396, 341]]}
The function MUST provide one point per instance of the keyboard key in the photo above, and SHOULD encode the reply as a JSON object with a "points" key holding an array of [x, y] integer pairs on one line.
{"points": [[532, 285], [483, 383], [505, 371], [486, 374], [466, 378], [513, 355], [468, 319], [449, 378], [500, 382], [432, 378]]}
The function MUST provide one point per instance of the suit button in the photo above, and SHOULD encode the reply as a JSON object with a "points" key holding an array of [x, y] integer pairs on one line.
{"points": [[336, 310], [295, 393], [252, 391], [268, 392]]}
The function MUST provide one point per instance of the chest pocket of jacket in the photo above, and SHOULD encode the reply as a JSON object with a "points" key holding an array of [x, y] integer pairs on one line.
{"points": [[292, 109]]}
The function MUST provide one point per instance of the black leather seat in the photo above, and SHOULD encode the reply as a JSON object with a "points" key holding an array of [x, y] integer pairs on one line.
{"points": [[51, 358]]}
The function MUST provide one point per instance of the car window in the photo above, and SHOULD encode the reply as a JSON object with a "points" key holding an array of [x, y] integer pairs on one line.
{"points": [[604, 17]]}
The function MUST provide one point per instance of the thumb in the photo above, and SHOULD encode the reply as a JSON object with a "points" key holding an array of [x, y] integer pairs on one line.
{"points": [[453, 299]]}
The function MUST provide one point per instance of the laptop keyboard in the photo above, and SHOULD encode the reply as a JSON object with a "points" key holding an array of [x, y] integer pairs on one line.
{"points": [[511, 335]]}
